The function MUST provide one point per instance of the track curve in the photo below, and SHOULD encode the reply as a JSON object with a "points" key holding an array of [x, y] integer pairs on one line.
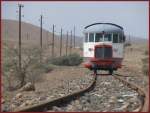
{"points": [[58, 102], [144, 97]]}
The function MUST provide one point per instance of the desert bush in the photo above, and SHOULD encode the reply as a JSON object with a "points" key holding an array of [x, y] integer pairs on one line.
{"points": [[145, 67], [81, 48], [8, 66], [127, 44], [70, 60], [146, 52], [31, 68], [46, 67]]}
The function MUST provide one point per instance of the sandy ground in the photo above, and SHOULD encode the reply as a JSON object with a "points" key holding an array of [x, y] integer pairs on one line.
{"points": [[132, 63], [60, 76], [56, 78]]}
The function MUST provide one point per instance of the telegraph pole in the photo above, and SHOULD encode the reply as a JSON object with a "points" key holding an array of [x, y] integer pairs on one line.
{"points": [[60, 41], [47, 38], [129, 39], [74, 36], [71, 42], [20, 68], [41, 38], [27, 36], [53, 41], [41, 32], [66, 43]]}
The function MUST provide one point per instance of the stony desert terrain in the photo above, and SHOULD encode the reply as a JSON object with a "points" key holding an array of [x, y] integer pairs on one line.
{"points": [[63, 80]]}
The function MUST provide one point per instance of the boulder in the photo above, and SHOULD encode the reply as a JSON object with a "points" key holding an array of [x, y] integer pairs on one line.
{"points": [[18, 95], [113, 99], [55, 108], [70, 108], [23, 104], [27, 103], [28, 87], [123, 108], [120, 100], [77, 102]]}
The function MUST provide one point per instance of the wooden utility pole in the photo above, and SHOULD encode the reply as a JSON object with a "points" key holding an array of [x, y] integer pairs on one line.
{"points": [[70, 41], [27, 36], [74, 35], [41, 38], [47, 38], [53, 41], [41, 32], [20, 68], [129, 39], [60, 41], [66, 43]]}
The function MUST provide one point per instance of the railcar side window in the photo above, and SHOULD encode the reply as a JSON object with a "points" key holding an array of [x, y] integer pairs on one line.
{"points": [[86, 37], [124, 38], [120, 38], [107, 37], [98, 37], [91, 37], [115, 38]]}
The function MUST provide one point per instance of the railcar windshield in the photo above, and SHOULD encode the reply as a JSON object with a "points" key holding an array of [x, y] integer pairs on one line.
{"points": [[107, 37], [98, 37]]}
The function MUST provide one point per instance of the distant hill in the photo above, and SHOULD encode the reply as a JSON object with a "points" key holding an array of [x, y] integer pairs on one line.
{"points": [[31, 37], [136, 40], [30, 34]]}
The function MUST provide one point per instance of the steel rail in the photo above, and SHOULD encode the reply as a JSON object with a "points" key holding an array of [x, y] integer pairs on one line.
{"points": [[68, 98], [144, 97], [57, 102]]}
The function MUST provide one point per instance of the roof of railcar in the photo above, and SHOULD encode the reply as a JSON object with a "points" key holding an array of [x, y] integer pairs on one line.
{"points": [[106, 27]]}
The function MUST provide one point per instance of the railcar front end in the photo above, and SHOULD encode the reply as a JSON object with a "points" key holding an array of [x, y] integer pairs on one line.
{"points": [[103, 47]]}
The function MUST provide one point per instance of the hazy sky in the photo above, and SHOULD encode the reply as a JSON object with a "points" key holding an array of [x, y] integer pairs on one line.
{"points": [[133, 16]]}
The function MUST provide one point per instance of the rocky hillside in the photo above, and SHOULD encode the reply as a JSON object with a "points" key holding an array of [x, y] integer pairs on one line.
{"points": [[30, 34]]}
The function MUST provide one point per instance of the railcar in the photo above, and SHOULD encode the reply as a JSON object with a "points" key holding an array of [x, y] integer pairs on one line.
{"points": [[103, 46]]}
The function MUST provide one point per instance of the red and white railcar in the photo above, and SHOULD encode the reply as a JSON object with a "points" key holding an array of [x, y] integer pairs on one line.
{"points": [[103, 46]]}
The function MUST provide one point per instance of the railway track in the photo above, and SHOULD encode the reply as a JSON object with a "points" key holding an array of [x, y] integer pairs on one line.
{"points": [[63, 101], [142, 94]]}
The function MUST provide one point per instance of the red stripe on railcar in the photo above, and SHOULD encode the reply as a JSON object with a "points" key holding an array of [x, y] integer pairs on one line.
{"points": [[114, 62]]}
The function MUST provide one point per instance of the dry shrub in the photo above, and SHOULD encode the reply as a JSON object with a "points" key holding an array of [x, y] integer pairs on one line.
{"points": [[70, 60], [127, 44], [31, 69], [146, 52], [145, 67]]}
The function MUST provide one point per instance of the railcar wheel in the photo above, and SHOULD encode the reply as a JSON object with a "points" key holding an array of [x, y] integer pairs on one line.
{"points": [[95, 71], [111, 71], [94, 67]]}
